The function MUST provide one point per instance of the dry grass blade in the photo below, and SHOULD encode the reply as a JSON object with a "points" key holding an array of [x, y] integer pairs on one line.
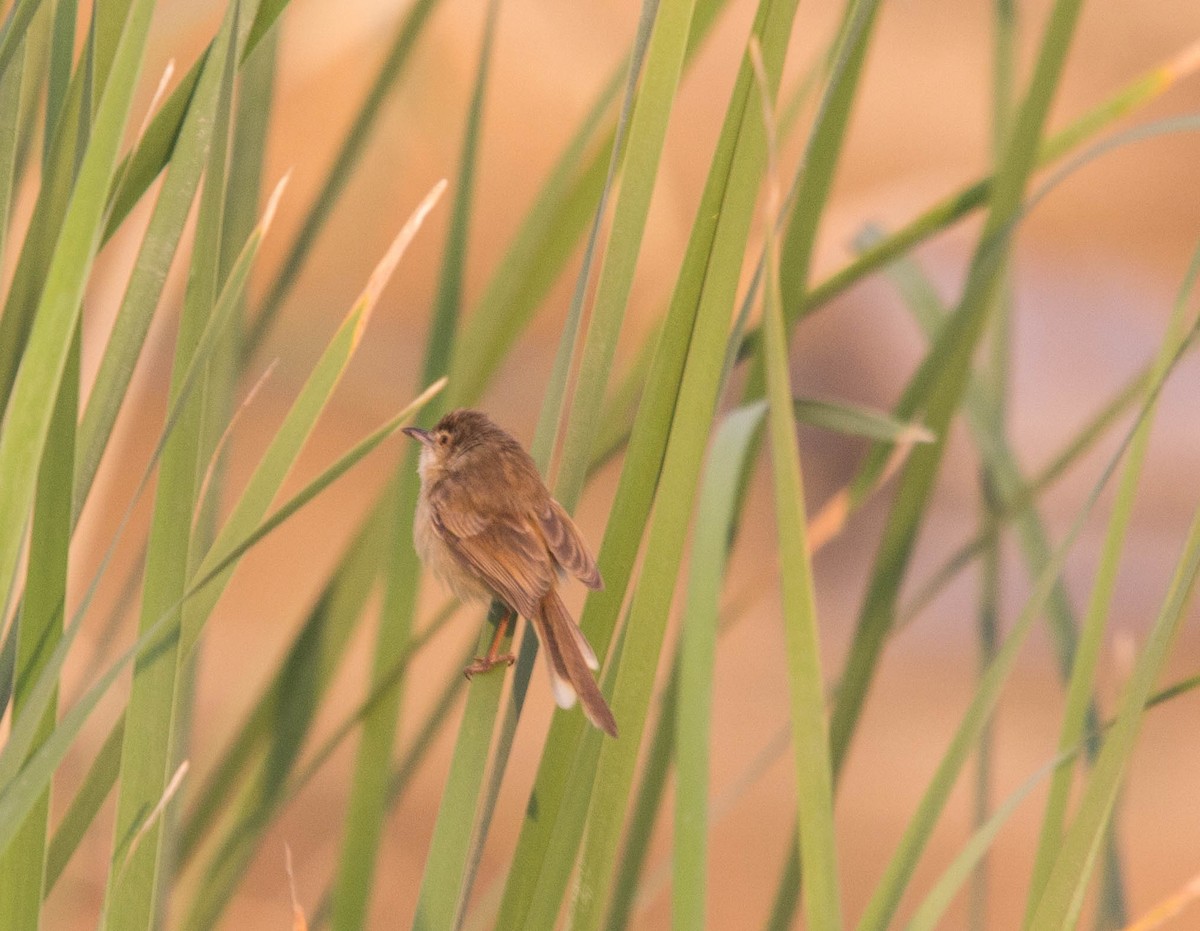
{"points": [[299, 922], [156, 812], [1168, 908], [383, 271]]}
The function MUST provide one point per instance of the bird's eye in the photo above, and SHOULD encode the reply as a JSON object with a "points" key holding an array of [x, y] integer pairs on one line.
{"points": [[443, 439]]}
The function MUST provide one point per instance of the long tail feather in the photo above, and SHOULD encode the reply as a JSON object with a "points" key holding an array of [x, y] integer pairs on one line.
{"points": [[568, 661]]}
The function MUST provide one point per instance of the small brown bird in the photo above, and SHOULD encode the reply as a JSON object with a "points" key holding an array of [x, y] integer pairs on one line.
{"points": [[488, 528]]}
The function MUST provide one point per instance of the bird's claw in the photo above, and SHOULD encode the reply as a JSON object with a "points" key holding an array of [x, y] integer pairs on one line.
{"points": [[487, 663]]}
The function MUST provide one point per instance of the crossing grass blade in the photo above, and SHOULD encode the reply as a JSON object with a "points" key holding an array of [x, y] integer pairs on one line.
{"points": [[316, 651], [150, 270], [550, 232], [1061, 872], [929, 913], [810, 738], [35, 387], [955, 346], [880, 911], [22, 781], [1062, 896], [1095, 624], [152, 736]]}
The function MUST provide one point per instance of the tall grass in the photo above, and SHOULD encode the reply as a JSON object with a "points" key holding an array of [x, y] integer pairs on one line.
{"points": [[687, 420]]}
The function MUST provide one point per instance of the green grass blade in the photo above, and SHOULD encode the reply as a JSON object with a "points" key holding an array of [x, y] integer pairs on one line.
{"points": [[152, 719], [646, 805], [349, 155], [856, 420], [39, 627], [62, 50], [647, 133], [716, 513], [15, 26], [11, 82], [154, 150], [100, 778], [810, 738], [150, 270], [35, 388], [38, 250]]}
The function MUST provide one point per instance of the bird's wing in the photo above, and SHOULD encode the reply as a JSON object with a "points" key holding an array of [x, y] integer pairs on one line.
{"points": [[501, 548], [565, 542]]}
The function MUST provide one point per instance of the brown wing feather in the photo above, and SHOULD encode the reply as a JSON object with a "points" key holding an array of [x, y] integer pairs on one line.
{"points": [[506, 553], [566, 543]]}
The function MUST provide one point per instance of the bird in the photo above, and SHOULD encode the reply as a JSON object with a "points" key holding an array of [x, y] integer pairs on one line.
{"points": [[488, 528]]}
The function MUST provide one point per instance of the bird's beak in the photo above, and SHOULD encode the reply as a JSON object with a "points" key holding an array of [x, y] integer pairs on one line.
{"points": [[424, 436]]}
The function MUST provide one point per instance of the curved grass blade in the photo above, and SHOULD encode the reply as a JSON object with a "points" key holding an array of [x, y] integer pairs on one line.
{"points": [[716, 515]]}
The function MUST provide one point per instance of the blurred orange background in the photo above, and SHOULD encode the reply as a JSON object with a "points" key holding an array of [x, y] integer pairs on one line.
{"points": [[1096, 268]]}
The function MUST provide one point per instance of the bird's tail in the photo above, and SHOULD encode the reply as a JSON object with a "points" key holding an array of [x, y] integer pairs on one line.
{"points": [[570, 660]]}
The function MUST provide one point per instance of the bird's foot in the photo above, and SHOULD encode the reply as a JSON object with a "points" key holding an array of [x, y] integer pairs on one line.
{"points": [[486, 663]]}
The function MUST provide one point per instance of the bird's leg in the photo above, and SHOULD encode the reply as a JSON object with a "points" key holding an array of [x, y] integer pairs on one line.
{"points": [[493, 659]]}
